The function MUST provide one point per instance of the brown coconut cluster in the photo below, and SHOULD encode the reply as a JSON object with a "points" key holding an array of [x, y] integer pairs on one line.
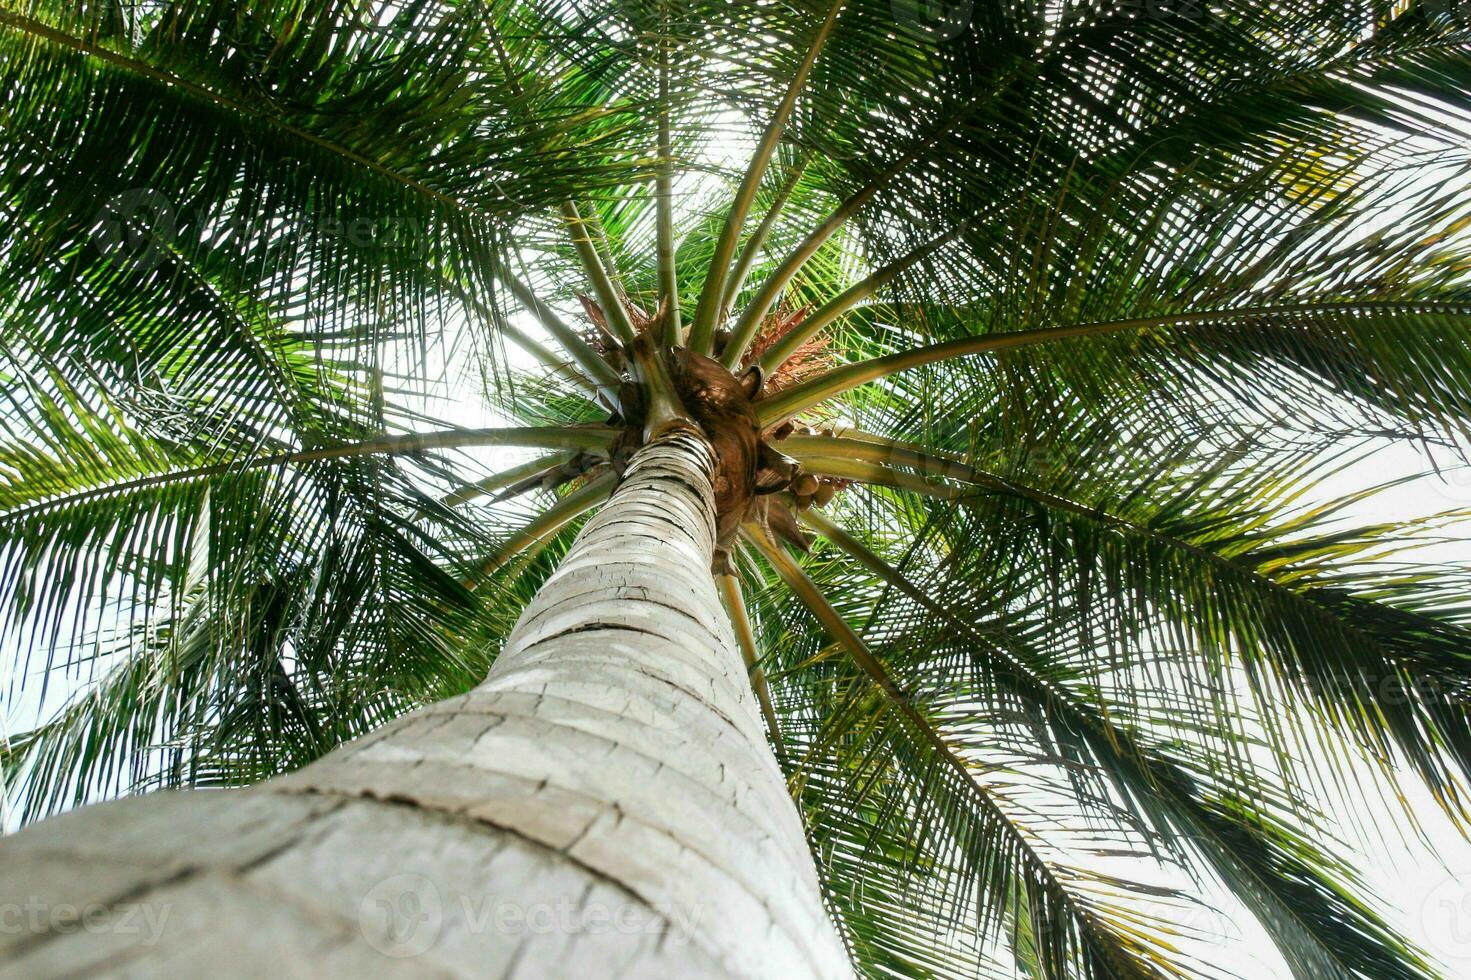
{"points": [[754, 481]]}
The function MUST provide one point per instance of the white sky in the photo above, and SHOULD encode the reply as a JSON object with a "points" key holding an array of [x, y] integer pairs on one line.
{"points": [[1425, 885]]}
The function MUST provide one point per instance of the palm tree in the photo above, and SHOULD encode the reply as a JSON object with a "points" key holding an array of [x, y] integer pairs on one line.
{"points": [[951, 387]]}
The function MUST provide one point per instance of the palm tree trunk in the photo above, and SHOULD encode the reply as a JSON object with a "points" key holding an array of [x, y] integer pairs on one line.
{"points": [[604, 804]]}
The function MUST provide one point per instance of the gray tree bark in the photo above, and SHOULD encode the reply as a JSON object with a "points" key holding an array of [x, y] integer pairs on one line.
{"points": [[605, 804]]}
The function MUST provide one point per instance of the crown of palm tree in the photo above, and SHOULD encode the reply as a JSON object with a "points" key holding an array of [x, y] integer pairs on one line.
{"points": [[1055, 313]]}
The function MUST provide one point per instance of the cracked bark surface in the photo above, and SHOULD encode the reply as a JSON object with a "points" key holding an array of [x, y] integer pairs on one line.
{"points": [[605, 804]]}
